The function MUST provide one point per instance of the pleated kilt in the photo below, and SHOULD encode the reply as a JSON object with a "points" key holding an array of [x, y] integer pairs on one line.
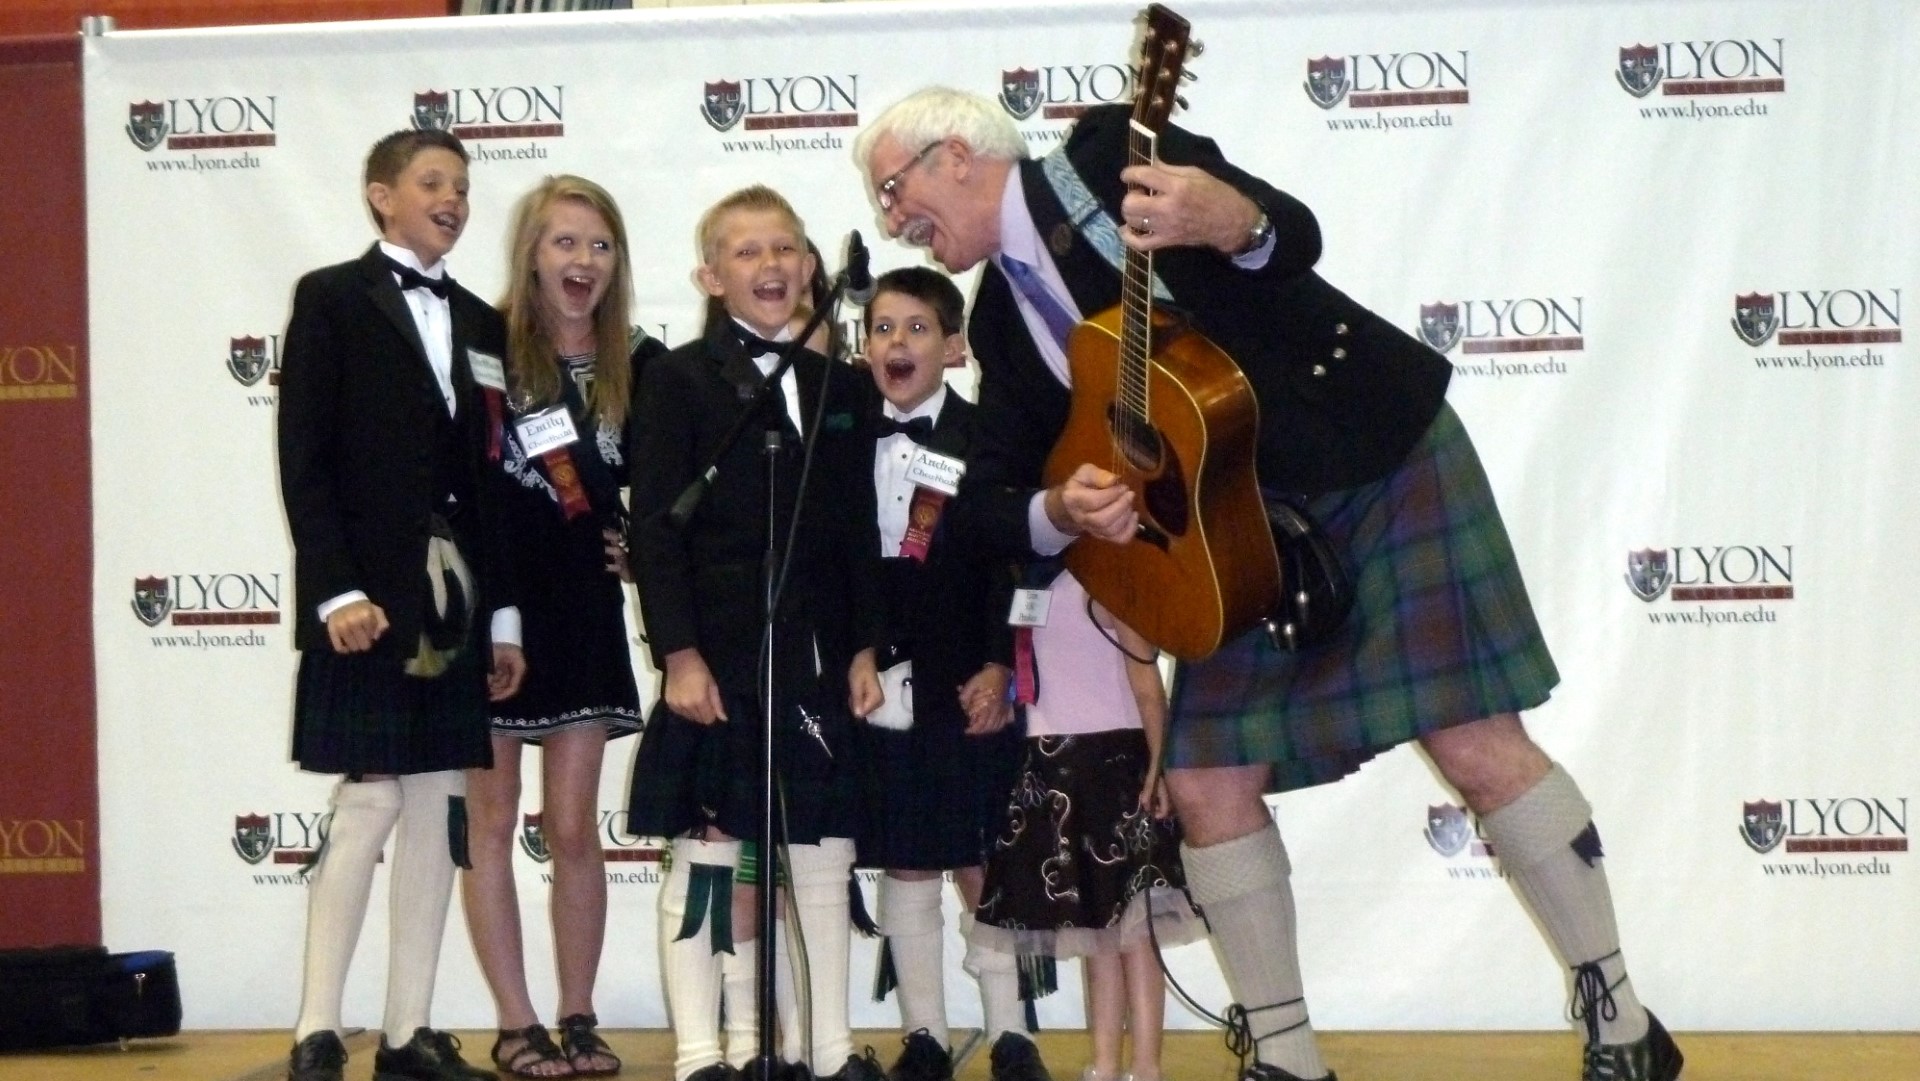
{"points": [[687, 776], [1442, 633], [358, 713]]}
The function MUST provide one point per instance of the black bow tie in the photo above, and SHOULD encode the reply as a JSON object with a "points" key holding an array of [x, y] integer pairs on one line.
{"points": [[755, 345], [919, 429], [413, 279]]}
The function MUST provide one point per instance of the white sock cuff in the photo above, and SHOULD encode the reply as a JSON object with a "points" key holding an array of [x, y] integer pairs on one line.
{"points": [[983, 961], [1540, 824], [367, 795], [710, 853], [1238, 867], [442, 783], [909, 907], [819, 866]]}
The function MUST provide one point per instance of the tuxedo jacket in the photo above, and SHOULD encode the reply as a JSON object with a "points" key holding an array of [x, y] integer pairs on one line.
{"points": [[948, 613], [1343, 394], [701, 584], [360, 420]]}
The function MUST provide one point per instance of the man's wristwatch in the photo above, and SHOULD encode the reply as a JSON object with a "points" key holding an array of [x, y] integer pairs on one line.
{"points": [[1257, 237]]}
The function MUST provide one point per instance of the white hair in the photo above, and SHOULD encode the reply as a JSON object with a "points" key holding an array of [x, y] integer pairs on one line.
{"points": [[939, 112]]}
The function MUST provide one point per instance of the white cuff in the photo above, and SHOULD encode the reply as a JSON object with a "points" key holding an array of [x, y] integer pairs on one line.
{"points": [[1257, 258], [328, 608], [506, 627], [1047, 540]]}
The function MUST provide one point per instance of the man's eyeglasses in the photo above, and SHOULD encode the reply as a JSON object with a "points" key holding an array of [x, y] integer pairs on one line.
{"points": [[888, 191]]}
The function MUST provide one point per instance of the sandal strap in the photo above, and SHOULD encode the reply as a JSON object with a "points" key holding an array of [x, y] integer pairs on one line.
{"points": [[577, 1038], [536, 1041]]}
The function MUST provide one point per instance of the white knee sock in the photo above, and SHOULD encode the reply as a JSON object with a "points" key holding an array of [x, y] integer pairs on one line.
{"points": [[739, 981], [998, 975], [419, 888], [690, 968], [363, 815], [1546, 843], [910, 918], [793, 1020], [1244, 887], [817, 878]]}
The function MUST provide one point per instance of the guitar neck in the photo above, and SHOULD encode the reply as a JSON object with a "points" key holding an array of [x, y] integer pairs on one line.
{"points": [[1136, 293]]}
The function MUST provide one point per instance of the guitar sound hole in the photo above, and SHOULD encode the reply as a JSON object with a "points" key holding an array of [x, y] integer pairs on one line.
{"points": [[1163, 491], [1138, 440]]}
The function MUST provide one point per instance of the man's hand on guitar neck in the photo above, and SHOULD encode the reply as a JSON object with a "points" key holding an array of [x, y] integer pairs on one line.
{"points": [[1180, 206], [1093, 502]]}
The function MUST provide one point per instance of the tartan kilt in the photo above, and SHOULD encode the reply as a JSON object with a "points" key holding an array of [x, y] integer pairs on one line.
{"points": [[1441, 633], [359, 713]]}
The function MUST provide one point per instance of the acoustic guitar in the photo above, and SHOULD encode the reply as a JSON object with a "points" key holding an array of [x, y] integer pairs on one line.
{"points": [[1172, 415]]}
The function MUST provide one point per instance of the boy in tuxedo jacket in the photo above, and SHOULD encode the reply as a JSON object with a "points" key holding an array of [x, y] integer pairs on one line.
{"points": [[702, 583], [931, 682], [384, 473]]}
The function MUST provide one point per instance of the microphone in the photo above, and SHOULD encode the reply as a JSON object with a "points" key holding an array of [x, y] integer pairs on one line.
{"points": [[859, 276]]}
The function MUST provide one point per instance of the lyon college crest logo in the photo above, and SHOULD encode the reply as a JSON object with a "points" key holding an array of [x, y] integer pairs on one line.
{"points": [[722, 104], [252, 837], [431, 112], [1649, 573], [147, 124], [1448, 829], [1639, 69], [1754, 318], [1020, 92], [152, 600], [247, 359], [1327, 81], [533, 840], [1762, 825], [1440, 326]]}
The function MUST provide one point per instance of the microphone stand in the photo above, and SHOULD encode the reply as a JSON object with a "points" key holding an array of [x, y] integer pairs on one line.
{"points": [[766, 1065]]}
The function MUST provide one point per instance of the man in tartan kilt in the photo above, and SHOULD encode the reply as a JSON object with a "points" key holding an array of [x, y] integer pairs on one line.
{"points": [[1441, 648]]}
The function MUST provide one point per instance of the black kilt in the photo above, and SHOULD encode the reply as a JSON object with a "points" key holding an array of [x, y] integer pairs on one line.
{"points": [[359, 714], [687, 776]]}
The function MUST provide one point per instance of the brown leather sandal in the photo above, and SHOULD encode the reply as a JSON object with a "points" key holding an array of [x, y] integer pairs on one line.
{"points": [[579, 1041], [536, 1056]]}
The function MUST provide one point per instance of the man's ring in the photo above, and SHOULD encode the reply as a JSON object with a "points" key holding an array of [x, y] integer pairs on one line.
{"points": [[1146, 225]]}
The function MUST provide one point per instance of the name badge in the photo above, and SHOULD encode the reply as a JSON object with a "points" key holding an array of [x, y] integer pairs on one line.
{"points": [[487, 369], [1030, 607], [549, 429], [930, 469]]}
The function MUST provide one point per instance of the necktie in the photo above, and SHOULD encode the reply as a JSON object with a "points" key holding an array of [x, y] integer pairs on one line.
{"points": [[1027, 280], [413, 279], [919, 429]]}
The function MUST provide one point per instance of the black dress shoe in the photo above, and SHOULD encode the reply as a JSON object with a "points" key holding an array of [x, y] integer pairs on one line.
{"points": [[1015, 1058], [859, 1068], [430, 1056], [1653, 1057], [718, 1071], [921, 1059], [1266, 1071], [319, 1057]]}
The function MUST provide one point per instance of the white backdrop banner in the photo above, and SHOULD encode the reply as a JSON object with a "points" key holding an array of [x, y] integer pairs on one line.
{"points": [[1667, 247]]}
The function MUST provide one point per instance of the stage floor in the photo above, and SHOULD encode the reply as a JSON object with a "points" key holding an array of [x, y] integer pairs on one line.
{"points": [[1190, 1056]]}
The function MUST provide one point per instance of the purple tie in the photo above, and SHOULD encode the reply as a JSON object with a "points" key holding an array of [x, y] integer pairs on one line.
{"points": [[1024, 278]]}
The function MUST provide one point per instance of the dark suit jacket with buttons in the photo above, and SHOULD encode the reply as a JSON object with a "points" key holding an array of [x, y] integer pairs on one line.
{"points": [[358, 401], [700, 585], [1343, 394], [949, 610]]}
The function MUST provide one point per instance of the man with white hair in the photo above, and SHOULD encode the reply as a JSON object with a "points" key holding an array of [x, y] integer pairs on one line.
{"points": [[1442, 646]]}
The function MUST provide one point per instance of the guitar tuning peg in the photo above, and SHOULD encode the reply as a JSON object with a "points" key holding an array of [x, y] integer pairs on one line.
{"points": [[1188, 76], [1196, 47], [1180, 101]]}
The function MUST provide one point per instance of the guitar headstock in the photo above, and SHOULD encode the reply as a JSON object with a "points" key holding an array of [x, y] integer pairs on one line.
{"points": [[1166, 41]]}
